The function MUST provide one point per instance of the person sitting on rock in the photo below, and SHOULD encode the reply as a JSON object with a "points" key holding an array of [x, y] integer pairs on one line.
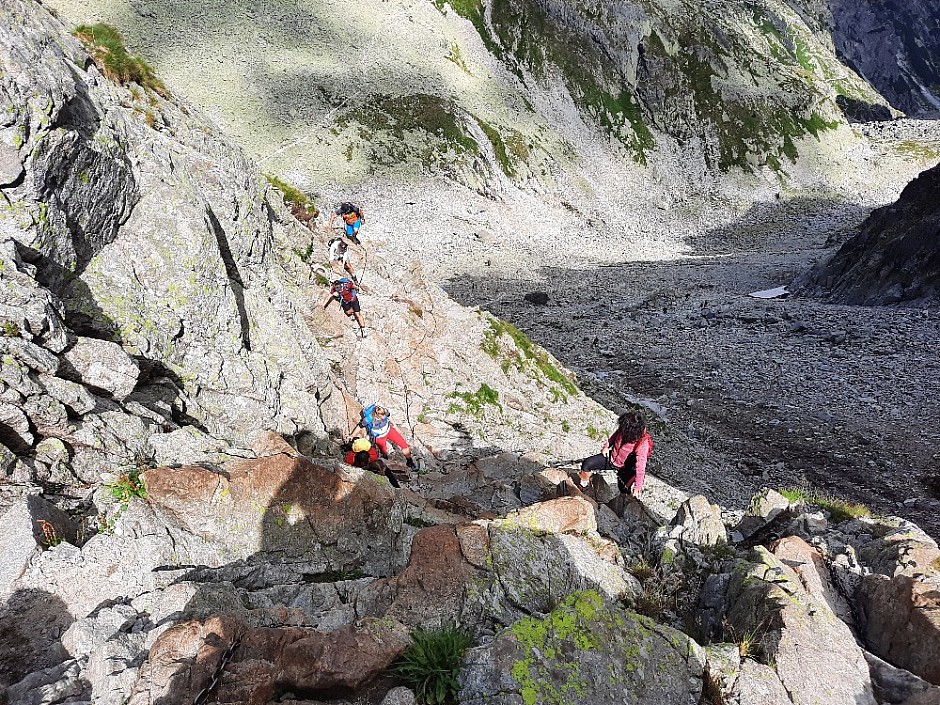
{"points": [[346, 292], [352, 216], [377, 423], [626, 451], [339, 252], [364, 455]]}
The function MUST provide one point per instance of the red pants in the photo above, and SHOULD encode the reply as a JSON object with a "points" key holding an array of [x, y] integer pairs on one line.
{"points": [[395, 437]]}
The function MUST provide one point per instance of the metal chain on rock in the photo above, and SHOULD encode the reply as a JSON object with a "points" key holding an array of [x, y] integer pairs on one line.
{"points": [[204, 694]]}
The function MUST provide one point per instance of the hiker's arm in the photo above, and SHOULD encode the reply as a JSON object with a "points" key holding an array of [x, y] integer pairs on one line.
{"points": [[327, 299], [642, 455]]}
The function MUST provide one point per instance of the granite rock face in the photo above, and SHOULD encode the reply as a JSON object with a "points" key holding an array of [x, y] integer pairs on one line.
{"points": [[895, 256]]}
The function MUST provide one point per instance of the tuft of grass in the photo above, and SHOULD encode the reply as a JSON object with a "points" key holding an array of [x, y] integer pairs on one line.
{"points": [[8, 329], [301, 207], [839, 509], [431, 664], [662, 582], [526, 354], [475, 403], [106, 47]]}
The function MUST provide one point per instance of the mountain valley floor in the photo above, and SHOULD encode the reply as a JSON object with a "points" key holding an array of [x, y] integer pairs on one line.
{"points": [[744, 392]]}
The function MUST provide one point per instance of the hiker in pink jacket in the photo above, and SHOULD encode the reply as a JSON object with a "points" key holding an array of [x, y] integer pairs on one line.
{"points": [[626, 451]]}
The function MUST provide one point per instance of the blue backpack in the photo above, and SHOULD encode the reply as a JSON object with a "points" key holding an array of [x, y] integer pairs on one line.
{"points": [[369, 423]]}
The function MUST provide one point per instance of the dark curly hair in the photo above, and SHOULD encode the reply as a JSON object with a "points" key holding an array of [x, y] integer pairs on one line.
{"points": [[631, 426]]}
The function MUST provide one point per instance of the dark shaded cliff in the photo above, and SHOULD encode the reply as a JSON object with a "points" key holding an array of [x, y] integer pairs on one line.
{"points": [[894, 258]]}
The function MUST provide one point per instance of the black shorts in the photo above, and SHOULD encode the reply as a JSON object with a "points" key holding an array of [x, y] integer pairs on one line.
{"points": [[350, 306]]}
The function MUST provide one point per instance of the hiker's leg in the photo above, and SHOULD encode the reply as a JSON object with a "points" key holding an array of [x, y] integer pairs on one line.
{"points": [[382, 445], [359, 319], [395, 437], [595, 463]]}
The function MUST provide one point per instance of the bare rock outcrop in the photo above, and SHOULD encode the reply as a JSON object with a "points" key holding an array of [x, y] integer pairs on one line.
{"points": [[895, 256]]}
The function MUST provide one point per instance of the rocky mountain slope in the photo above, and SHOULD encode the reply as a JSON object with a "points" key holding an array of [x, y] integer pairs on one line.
{"points": [[893, 45], [658, 122], [895, 256], [178, 526], [155, 304]]}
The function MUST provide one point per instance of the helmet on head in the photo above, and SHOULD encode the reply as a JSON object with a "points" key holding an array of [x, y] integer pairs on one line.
{"points": [[361, 444]]}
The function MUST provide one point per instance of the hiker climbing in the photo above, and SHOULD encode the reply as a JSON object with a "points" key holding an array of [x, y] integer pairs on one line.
{"points": [[346, 292], [339, 249], [626, 451], [352, 216], [362, 454], [377, 423]]}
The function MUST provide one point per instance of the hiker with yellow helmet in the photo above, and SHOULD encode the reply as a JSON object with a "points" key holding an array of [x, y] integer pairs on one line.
{"points": [[364, 455]]}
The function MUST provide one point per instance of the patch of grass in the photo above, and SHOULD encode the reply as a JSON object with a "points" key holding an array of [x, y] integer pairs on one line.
{"points": [[662, 581], [8, 329], [431, 664], [839, 509], [106, 47], [565, 426], [499, 147], [455, 56], [595, 433], [917, 150], [398, 116], [474, 403], [525, 356], [301, 207]]}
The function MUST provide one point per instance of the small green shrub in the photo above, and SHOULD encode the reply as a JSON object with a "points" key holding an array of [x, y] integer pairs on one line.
{"points": [[565, 426], [106, 47], [9, 329], [430, 665], [301, 207], [126, 487]]}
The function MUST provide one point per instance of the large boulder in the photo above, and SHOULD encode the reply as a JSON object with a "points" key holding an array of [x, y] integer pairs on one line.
{"points": [[900, 621], [699, 522], [102, 365], [768, 606], [808, 563], [587, 650], [557, 516], [265, 661], [764, 507], [348, 520]]}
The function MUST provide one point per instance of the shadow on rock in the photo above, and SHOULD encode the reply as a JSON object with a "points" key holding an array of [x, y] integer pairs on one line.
{"points": [[32, 623]]}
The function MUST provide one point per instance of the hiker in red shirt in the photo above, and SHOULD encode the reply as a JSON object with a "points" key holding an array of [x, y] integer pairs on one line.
{"points": [[346, 292], [362, 454], [626, 451]]}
